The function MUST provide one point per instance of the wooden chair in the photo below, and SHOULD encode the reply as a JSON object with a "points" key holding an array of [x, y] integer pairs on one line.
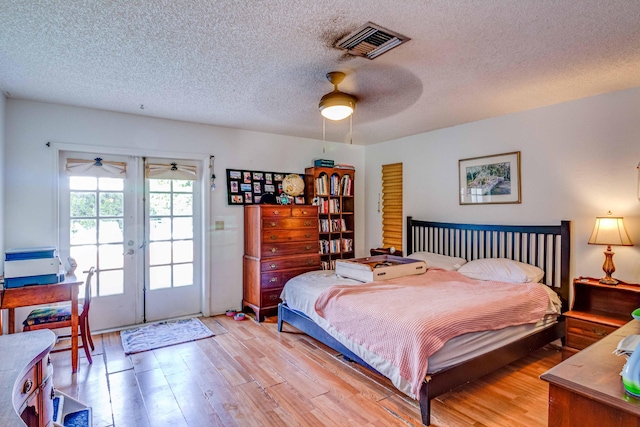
{"points": [[60, 317]]}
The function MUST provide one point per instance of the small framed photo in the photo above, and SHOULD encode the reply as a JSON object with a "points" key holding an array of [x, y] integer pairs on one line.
{"points": [[234, 186], [258, 176], [269, 188], [247, 177], [256, 199], [299, 200], [248, 197], [268, 178], [490, 179], [277, 176], [237, 199], [235, 175], [257, 188], [245, 187]]}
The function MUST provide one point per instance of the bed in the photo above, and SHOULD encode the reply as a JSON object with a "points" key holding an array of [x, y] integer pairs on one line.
{"points": [[547, 247]]}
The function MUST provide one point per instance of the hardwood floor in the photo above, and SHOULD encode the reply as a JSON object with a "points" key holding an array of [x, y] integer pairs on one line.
{"points": [[248, 374]]}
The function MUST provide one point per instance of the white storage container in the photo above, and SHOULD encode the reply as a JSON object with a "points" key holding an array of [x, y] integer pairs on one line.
{"points": [[379, 267]]}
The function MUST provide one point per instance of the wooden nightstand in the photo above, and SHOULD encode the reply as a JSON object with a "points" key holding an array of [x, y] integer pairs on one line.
{"points": [[597, 311]]}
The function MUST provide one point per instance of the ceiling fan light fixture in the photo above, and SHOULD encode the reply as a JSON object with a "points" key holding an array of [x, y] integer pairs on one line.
{"points": [[337, 105]]}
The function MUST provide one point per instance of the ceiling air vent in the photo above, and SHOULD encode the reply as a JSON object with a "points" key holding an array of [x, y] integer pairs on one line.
{"points": [[371, 41]]}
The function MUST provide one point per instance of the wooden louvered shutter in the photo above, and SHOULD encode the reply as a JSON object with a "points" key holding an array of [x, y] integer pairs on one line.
{"points": [[392, 206]]}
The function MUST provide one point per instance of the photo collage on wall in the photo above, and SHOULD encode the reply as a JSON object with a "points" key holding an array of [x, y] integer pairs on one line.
{"points": [[247, 187]]}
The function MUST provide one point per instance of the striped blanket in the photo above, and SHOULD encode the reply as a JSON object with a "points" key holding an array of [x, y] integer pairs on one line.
{"points": [[405, 320]]}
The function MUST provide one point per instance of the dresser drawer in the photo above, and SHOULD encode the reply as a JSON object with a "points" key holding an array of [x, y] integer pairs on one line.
{"points": [[307, 211], [286, 249], [276, 211], [270, 297], [26, 386], [288, 223], [293, 262], [289, 235], [581, 333], [279, 278]]}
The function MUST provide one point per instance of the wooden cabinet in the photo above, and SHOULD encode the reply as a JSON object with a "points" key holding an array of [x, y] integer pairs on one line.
{"points": [[332, 190], [280, 242], [26, 374], [587, 390], [597, 311]]}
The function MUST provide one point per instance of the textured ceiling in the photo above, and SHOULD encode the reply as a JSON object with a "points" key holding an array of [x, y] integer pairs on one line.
{"points": [[261, 64]]}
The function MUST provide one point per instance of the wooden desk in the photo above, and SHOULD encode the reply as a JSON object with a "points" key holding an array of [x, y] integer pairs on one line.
{"points": [[27, 296], [586, 389]]}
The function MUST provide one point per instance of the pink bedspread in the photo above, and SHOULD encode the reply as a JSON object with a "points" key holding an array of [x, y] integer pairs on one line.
{"points": [[405, 320]]}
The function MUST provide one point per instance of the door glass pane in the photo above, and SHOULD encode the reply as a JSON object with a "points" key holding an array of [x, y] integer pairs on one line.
{"points": [[183, 228], [160, 277], [159, 185], [182, 275], [111, 256], [111, 204], [111, 184], [159, 253], [160, 229], [111, 230], [182, 186], [83, 231], [83, 204], [88, 183], [110, 282], [183, 204], [183, 251], [85, 256], [160, 204]]}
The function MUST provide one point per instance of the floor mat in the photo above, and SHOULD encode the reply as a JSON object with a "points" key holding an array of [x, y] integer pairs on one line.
{"points": [[163, 334]]}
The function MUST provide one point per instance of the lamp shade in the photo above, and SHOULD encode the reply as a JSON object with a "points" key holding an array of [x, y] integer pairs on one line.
{"points": [[336, 105], [609, 230]]}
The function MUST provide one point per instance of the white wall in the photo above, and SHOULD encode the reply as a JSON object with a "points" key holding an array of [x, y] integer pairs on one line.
{"points": [[29, 191], [578, 160]]}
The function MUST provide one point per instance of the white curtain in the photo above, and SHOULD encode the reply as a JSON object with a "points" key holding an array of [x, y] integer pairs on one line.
{"points": [[96, 167], [171, 171]]}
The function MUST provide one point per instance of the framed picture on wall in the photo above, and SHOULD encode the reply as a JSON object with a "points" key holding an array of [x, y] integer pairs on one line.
{"points": [[245, 187], [491, 179]]}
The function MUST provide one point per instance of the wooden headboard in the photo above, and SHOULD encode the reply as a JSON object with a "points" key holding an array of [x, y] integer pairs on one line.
{"points": [[546, 246]]}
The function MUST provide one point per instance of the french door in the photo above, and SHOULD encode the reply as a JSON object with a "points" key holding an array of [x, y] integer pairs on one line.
{"points": [[140, 233]]}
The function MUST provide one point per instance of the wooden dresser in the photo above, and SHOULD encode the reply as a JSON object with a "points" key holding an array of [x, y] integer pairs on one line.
{"points": [[280, 242], [26, 376], [586, 390], [597, 311]]}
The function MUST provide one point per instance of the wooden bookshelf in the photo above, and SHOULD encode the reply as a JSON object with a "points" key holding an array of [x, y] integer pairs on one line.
{"points": [[332, 189]]}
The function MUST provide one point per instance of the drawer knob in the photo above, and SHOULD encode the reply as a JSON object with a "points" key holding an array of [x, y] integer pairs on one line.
{"points": [[272, 224], [276, 212], [308, 247], [274, 237], [28, 385], [307, 235], [273, 279], [304, 212], [273, 266], [274, 250], [310, 262], [307, 223], [273, 297]]}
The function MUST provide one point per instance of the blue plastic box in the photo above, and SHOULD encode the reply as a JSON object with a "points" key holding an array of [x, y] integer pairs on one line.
{"points": [[30, 253], [18, 282]]}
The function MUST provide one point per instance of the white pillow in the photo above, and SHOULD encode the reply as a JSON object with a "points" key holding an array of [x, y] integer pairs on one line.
{"points": [[501, 270], [440, 261]]}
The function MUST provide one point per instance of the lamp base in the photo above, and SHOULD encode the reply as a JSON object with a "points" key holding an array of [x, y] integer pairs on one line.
{"points": [[608, 281]]}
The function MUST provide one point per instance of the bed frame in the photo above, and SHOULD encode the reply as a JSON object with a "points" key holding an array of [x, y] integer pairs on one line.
{"points": [[548, 247]]}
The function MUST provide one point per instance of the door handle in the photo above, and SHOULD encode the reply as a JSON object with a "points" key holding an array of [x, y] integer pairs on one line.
{"points": [[129, 252]]}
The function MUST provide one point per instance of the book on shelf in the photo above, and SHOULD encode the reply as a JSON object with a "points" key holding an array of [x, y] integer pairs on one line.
{"points": [[345, 186], [343, 166]]}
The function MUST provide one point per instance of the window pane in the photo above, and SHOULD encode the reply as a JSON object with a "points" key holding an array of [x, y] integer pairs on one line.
{"points": [[182, 275], [111, 282], [182, 204], [183, 228], [111, 204], [159, 185], [85, 256], [111, 256], [159, 204], [160, 277], [160, 229], [182, 186], [110, 231], [160, 253], [83, 183], [111, 184], [83, 231], [83, 204], [183, 251]]}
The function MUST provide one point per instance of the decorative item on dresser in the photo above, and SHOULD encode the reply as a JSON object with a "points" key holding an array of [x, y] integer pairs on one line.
{"points": [[331, 189], [597, 311], [280, 242], [609, 230]]}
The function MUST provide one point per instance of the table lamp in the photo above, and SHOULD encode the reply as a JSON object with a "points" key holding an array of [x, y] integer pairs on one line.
{"points": [[609, 230]]}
